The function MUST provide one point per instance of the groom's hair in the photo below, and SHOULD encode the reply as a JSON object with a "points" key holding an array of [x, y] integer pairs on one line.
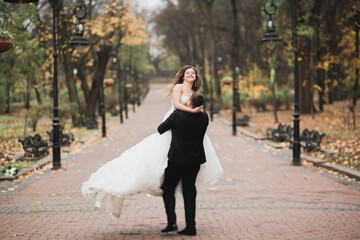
{"points": [[197, 99]]}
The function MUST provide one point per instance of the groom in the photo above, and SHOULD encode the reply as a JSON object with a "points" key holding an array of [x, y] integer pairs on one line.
{"points": [[185, 156]]}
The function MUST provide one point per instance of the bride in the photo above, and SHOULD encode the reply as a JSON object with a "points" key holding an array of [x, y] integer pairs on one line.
{"points": [[140, 169]]}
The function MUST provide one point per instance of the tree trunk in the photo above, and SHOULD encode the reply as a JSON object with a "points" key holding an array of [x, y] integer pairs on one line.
{"points": [[103, 56], [306, 104], [84, 85], [319, 70], [37, 93], [321, 83], [214, 53], [234, 54], [68, 71], [356, 85], [202, 62], [272, 84], [8, 97], [28, 92], [9, 82]]}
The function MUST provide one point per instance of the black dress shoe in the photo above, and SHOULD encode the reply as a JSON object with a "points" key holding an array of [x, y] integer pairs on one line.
{"points": [[188, 231], [170, 228]]}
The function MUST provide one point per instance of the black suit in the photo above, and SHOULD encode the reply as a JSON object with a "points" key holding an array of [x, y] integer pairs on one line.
{"points": [[185, 156]]}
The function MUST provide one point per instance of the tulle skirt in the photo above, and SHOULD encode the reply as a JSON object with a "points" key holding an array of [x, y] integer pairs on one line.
{"points": [[140, 169]]}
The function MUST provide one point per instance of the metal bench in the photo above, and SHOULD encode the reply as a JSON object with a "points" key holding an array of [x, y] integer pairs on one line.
{"points": [[311, 140], [65, 139], [34, 146], [281, 133], [243, 121]]}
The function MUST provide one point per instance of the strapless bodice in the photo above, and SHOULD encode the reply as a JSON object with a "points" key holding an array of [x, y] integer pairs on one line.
{"points": [[184, 99]]}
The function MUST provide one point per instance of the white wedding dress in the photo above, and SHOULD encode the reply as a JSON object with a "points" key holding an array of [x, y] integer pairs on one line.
{"points": [[140, 169]]}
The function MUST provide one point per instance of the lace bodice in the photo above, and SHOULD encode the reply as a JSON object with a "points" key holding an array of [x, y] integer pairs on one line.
{"points": [[184, 99]]}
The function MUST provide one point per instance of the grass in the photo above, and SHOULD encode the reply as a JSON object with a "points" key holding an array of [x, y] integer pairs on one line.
{"points": [[19, 165]]}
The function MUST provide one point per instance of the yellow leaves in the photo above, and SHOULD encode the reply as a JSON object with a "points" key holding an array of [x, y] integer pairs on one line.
{"points": [[256, 91], [115, 18], [304, 83], [317, 87], [90, 63]]}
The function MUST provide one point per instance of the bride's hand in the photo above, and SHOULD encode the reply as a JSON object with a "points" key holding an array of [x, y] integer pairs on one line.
{"points": [[198, 109]]}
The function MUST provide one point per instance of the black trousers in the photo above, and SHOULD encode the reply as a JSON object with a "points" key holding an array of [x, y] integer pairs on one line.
{"points": [[187, 174]]}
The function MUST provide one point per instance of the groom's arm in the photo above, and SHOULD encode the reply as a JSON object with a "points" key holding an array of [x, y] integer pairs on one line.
{"points": [[167, 124]]}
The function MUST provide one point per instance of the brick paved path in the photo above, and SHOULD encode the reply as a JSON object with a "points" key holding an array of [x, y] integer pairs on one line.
{"points": [[260, 196]]}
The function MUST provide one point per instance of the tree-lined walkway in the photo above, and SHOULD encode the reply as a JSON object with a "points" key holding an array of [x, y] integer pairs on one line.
{"points": [[260, 196]]}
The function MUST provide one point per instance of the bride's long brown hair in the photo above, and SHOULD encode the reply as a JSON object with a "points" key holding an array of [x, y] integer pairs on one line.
{"points": [[179, 78]]}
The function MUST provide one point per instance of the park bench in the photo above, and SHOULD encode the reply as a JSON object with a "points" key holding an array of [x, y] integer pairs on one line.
{"points": [[65, 139], [243, 121], [34, 146], [114, 112], [281, 133], [311, 140]]}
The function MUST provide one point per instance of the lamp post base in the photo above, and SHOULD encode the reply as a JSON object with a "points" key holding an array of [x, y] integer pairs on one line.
{"points": [[56, 167], [294, 163]]}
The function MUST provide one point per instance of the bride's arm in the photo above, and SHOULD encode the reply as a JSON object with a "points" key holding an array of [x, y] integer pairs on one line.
{"points": [[176, 95]]}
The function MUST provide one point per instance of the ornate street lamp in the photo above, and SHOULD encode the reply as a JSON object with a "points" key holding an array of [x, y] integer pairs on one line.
{"points": [[79, 41], [272, 36], [56, 120]]}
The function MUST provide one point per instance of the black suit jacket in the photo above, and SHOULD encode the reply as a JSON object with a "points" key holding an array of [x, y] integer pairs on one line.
{"points": [[188, 130]]}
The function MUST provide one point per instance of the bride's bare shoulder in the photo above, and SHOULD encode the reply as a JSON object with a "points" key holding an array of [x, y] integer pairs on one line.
{"points": [[178, 87]]}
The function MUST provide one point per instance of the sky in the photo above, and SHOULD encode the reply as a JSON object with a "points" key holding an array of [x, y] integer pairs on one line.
{"points": [[150, 5]]}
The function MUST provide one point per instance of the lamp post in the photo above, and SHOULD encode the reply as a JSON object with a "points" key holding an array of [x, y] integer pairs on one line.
{"points": [[115, 70], [102, 108], [133, 92], [125, 92], [202, 73], [235, 71], [221, 48], [211, 99], [138, 90], [56, 121], [271, 38]]}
